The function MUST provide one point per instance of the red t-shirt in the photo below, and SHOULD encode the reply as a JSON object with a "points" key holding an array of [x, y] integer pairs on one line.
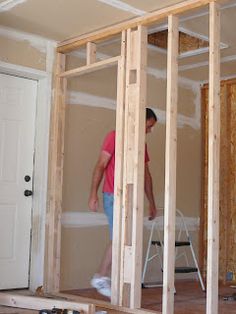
{"points": [[108, 147]]}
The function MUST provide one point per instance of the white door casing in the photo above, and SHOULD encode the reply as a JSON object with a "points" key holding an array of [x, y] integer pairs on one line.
{"points": [[17, 128]]}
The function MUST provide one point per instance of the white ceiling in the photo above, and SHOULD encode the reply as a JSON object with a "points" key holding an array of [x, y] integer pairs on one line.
{"points": [[63, 19]]}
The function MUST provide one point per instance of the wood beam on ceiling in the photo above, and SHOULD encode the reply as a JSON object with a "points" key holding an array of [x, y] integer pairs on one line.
{"points": [[148, 19]]}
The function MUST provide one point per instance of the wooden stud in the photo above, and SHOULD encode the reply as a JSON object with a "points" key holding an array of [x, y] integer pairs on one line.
{"points": [[38, 303], [148, 19], [139, 148], [90, 68], [134, 136], [91, 53], [55, 178], [170, 166], [118, 188], [213, 160]]}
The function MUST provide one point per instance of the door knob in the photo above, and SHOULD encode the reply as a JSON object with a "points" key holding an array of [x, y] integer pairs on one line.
{"points": [[27, 178], [28, 193]]}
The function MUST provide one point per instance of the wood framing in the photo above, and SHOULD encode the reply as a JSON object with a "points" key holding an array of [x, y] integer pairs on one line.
{"points": [[213, 160], [38, 303], [129, 167], [56, 159], [91, 53], [170, 165], [133, 169], [118, 184], [148, 19], [90, 68]]}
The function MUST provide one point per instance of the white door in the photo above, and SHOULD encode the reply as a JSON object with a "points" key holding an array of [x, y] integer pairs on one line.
{"points": [[17, 128]]}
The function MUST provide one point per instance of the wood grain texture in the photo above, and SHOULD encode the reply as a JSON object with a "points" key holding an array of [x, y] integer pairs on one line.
{"points": [[227, 256]]}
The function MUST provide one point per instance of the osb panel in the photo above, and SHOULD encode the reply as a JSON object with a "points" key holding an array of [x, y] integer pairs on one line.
{"points": [[186, 42], [227, 254]]}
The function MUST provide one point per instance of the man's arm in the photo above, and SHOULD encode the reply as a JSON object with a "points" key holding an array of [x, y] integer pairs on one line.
{"points": [[149, 192], [97, 178]]}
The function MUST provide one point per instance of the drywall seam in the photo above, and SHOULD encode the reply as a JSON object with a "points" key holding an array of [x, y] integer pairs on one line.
{"points": [[9, 4], [88, 219], [103, 102], [193, 16], [205, 63], [200, 36], [81, 98], [38, 42], [123, 6], [222, 78], [75, 98], [31, 73]]}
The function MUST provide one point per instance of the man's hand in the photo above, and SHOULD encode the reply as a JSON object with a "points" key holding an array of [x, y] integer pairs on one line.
{"points": [[93, 203], [152, 212]]}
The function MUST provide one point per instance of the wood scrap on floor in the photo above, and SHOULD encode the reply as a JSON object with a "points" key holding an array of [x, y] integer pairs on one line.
{"points": [[39, 303]]}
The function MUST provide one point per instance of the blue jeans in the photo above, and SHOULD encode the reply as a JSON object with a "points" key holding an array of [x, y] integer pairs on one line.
{"points": [[108, 201]]}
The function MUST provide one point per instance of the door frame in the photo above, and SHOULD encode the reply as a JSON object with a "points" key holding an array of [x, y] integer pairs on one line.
{"points": [[41, 144]]}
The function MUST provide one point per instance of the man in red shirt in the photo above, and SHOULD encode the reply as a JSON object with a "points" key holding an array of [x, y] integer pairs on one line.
{"points": [[106, 165]]}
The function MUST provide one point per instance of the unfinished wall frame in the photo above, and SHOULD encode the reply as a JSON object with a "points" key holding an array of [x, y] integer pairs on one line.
{"points": [[130, 121]]}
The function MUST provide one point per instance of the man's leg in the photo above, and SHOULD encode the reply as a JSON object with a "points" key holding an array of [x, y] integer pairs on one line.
{"points": [[105, 267], [101, 281]]}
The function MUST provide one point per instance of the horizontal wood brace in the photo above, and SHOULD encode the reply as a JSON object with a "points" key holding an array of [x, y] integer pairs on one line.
{"points": [[99, 304], [91, 67], [39, 303], [150, 18]]}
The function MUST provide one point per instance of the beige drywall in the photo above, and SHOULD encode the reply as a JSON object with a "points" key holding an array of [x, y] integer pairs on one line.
{"points": [[82, 250], [21, 52], [85, 130]]}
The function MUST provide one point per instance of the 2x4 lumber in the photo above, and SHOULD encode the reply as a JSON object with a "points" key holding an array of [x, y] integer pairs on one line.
{"points": [[91, 53], [170, 166], [139, 148], [127, 201], [54, 206], [119, 157], [134, 136], [213, 160], [148, 19], [105, 305], [38, 303], [91, 67]]}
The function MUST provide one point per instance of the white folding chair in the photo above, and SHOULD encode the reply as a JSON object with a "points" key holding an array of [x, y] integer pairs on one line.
{"points": [[183, 242]]}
